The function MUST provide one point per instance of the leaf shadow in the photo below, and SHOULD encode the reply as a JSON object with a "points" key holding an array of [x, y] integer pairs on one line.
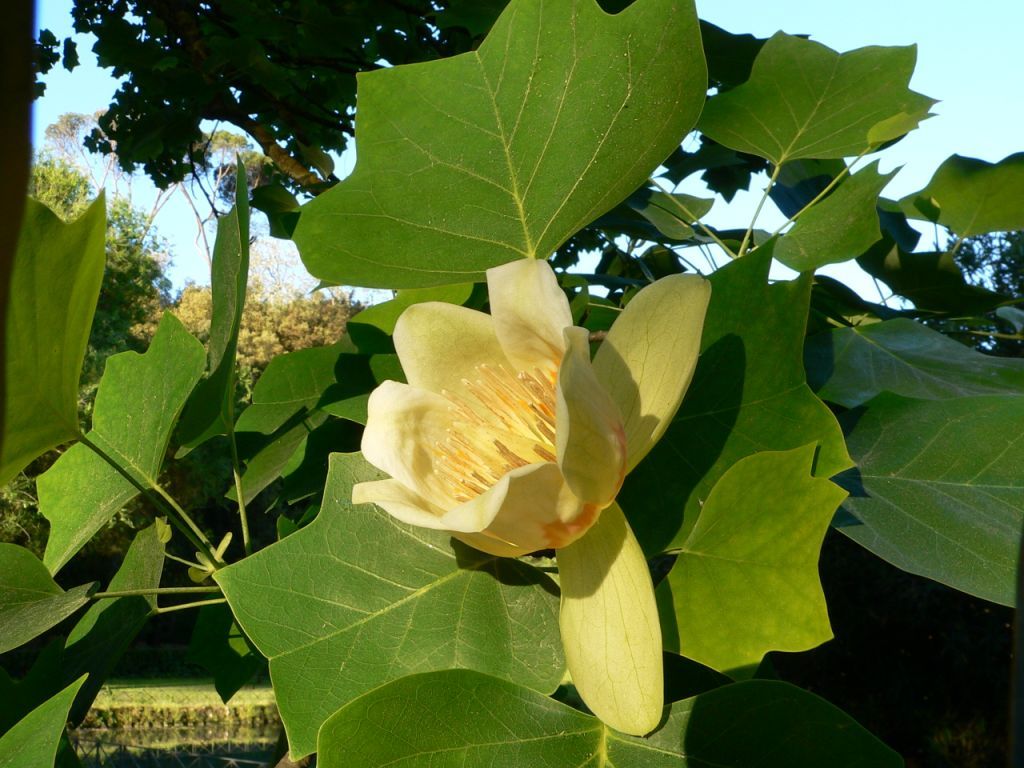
{"points": [[657, 493], [506, 570]]}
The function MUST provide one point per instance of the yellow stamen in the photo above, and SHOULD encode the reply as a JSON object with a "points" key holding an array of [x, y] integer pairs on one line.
{"points": [[500, 421]]}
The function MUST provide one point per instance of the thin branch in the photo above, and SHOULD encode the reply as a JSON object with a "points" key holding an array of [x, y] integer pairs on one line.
{"points": [[996, 335], [691, 217], [817, 198], [186, 606], [154, 591], [236, 471], [200, 225], [749, 234], [163, 501]]}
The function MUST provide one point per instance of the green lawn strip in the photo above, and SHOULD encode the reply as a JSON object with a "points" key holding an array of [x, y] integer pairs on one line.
{"points": [[162, 703]]}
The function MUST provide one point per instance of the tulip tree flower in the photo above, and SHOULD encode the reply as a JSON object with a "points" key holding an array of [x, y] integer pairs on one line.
{"points": [[509, 438]]}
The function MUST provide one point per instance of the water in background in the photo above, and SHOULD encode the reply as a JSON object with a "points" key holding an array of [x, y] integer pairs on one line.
{"points": [[175, 748]]}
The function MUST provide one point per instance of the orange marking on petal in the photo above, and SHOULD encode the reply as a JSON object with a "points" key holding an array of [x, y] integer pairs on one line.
{"points": [[561, 534]]}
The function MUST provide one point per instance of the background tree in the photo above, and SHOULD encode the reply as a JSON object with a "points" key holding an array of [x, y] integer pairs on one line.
{"points": [[282, 73], [995, 261]]}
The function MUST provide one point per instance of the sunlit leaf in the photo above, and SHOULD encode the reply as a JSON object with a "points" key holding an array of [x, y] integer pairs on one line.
{"points": [[210, 407], [292, 385], [748, 394], [33, 741], [972, 197], [139, 399], [840, 227], [746, 581], [805, 100], [371, 327], [849, 366], [220, 647], [30, 600], [461, 718], [504, 152], [356, 599], [46, 330], [102, 635], [938, 488]]}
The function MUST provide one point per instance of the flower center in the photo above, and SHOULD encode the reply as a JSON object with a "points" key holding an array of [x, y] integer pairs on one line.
{"points": [[501, 421]]}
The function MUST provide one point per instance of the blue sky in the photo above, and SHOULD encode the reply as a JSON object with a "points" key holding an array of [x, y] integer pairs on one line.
{"points": [[970, 57]]}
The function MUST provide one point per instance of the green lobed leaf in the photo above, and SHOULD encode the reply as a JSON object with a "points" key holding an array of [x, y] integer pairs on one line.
{"points": [[291, 385], [938, 488], [292, 400], [800, 181], [461, 718], [43, 678], [840, 227], [268, 464], [103, 634], [849, 366], [748, 395], [46, 330], [972, 197], [33, 742], [730, 56], [220, 647], [725, 171], [746, 581], [30, 600], [208, 412], [138, 402], [804, 100], [933, 281], [372, 327], [656, 215], [504, 152], [356, 599]]}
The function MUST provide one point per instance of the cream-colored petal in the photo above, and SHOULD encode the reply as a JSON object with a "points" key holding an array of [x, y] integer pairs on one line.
{"points": [[441, 344], [530, 508], [610, 627], [647, 360], [409, 507], [589, 437], [400, 502], [403, 428], [529, 311]]}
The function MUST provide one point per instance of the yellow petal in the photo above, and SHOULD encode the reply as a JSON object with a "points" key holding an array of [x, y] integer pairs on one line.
{"points": [[400, 502], [529, 509], [403, 426], [648, 358], [610, 627], [441, 344], [529, 311], [589, 436]]}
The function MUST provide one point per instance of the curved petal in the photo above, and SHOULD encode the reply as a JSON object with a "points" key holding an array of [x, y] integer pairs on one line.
{"points": [[400, 502], [409, 507], [530, 508], [441, 344], [610, 627], [403, 426], [647, 360], [589, 437], [529, 311]]}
